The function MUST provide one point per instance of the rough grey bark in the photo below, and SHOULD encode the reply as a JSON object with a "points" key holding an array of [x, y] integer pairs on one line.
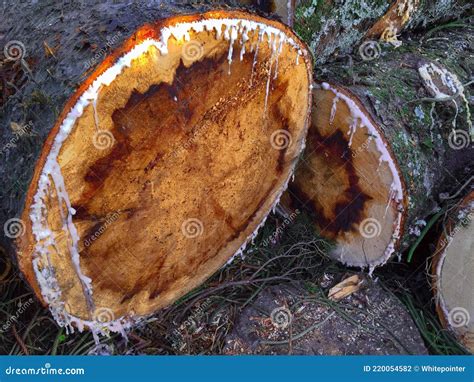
{"points": [[430, 11], [432, 139], [333, 28]]}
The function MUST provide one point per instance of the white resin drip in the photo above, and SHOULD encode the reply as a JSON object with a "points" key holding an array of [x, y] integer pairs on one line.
{"points": [[43, 235], [231, 36], [343, 255], [278, 53], [68, 225], [267, 89], [358, 115], [333, 109], [391, 196], [371, 270], [353, 129], [245, 38], [260, 37], [96, 116]]}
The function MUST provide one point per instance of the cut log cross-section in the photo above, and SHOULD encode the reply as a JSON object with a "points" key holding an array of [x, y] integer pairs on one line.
{"points": [[163, 165], [453, 267], [385, 141], [349, 180]]}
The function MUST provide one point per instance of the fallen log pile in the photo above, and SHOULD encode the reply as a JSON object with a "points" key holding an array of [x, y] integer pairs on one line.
{"points": [[135, 168]]}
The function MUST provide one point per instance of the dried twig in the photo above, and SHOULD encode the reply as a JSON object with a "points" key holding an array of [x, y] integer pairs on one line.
{"points": [[19, 341]]}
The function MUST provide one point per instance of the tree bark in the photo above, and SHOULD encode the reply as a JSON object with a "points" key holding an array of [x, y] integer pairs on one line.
{"points": [[154, 174], [404, 15], [334, 28], [388, 136], [452, 270]]}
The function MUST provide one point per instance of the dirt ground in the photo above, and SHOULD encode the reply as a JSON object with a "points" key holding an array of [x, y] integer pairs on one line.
{"points": [[289, 319]]}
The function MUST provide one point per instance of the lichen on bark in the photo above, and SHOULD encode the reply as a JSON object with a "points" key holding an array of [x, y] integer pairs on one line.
{"points": [[334, 27], [429, 11]]}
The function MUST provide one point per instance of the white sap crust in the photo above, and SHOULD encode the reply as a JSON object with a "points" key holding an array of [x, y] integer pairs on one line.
{"points": [[448, 79], [396, 189], [230, 29], [451, 81]]}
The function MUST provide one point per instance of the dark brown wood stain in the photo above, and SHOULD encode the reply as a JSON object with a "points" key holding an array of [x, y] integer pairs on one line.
{"points": [[347, 213]]}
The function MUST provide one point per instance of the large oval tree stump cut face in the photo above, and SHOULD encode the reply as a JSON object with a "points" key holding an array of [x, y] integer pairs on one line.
{"points": [[349, 181], [163, 165], [453, 268]]}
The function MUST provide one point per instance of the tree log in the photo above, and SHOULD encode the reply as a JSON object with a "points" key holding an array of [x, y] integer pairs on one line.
{"points": [[387, 137], [453, 265], [284, 9], [334, 28], [411, 14], [164, 161]]}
